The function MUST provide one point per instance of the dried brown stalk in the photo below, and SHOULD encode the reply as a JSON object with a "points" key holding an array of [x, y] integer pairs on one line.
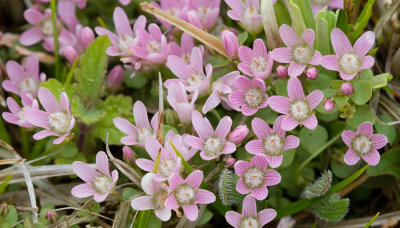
{"points": [[271, 27]]}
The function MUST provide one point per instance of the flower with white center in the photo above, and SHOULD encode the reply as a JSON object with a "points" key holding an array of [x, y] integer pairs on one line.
{"points": [[157, 194], [205, 11], [98, 183], [57, 120], [184, 51], [186, 194], [179, 100], [318, 5], [212, 144], [297, 108], [250, 95], [138, 134], [249, 217], [256, 62], [271, 142], [363, 143], [178, 8], [255, 177], [299, 52], [349, 60]]}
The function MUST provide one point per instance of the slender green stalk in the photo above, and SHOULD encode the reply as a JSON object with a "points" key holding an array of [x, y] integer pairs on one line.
{"points": [[116, 195], [55, 36], [71, 71], [4, 133], [372, 220], [24, 141]]}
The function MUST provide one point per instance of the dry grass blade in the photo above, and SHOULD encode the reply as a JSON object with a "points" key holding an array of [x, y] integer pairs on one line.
{"points": [[10, 161], [209, 40], [270, 24], [121, 217]]}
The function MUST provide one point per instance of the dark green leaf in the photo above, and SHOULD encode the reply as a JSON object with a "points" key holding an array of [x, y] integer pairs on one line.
{"points": [[389, 164], [312, 140]]}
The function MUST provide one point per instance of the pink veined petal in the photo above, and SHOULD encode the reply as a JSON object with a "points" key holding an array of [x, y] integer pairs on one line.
{"points": [[316, 59], [260, 128], [265, 216], [296, 69], [83, 190], [38, 118], [31, 36], [84, 171], [204, 197], [43, 134], [365, 129], [351, 158], [229, 148], [187, 43], [114, 176], [33, 16], [367, 62], [212, 101], [295, 89], [194, 179], [348, 136], [241, 167], [259, 83], [142, 203], [237, 6], [274, 161], [60, 139], [153, 147], [364, 43], [288, 123], [154, 122], [249, 207], [174, 181], [65, 102], [191, 212], [164, 214], [196, 60], [194, 142], [311, 123], [277, 128], [140, 115], [171, 202], [372, 158], [246, 55], [12, 118], [121, 22], [130, 141], [336, 4], [347, 77], [179, 67], [279, 104], [291, 142], [330, 62], [242, 83], [249, 111], [233, 218], [32, 67], [15, 71], [48, 101], [125, 126], [102, 163], [308, 37], [10, 86], [202, 125], [259, 48], [272, 177], [340, 42], [255, 147], [236, 98], [13, 105], [289, 36], [241, 187], [205, 156], [259, 161], [223, 128], [282, 54], [378, 141], [145, 164], [314, 98], [100, 197], [260, 193]]}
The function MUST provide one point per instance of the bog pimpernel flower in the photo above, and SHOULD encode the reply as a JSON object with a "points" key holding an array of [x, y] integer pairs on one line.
{"points": [[271, 142], [249, 216], [256, 62], [17, 115], [178, 8], [179, 101], [98, 183], [57, 120], [363, 143], [185, 50], [299, 52], [349, 60], [203, 14], [187, 194], [297, 108], [43, 28], [255, 177]]}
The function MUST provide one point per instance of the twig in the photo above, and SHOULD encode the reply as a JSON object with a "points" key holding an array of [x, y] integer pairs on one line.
{"points": [[271, 28], [87, 211], [353, 185]]}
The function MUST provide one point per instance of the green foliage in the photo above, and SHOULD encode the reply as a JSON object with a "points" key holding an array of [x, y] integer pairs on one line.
{"points": [[218, 61], [282, 14], [389, 164], [281, 87], [362, 92], [137, 82], [227, 188], [331, 208], [86, 116], [56, 88], [299, 24], [312, 140], [68, 153], [319, 186], [362, 21], [242, 37], [4, 184], [381, 80], [11, 218], [205, 218], [128, 192], [361, 115], [388, 130]]}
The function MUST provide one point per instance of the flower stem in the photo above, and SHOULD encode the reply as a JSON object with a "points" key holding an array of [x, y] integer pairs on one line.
{"points": [[55, 36], [116, 195], [71, 72]]}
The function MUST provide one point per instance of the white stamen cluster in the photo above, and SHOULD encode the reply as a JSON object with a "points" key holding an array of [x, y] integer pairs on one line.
{"points": [[47, 27], [203, 12], [158, 199], [254, 97], [300, 110], [349, 63], [59, 122], [254, 177], [273, 145], [249, 13], [124, 42], [142, 134], [249, 222], [361, 145], [320, 2], [154, 47], [259, 64], [29, 84], [102, 184], [166, 167], [186, 58], [185, 194], [213, 146], [302, 54], [195, 79]]}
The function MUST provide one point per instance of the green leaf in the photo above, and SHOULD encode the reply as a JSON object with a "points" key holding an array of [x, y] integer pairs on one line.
{"points": [[372, 220], [86, 116], [342, 21], [361, 115], [56, 88], [89, 76], [205, 218], [322, 38], [12, 216], [282, 14], [137, 82], [340, 100], [322, 82], [242, 37], [335, 84], [312, 140], [4, 184], [281, 87], [388, 164], [362, 92], [319, 187], [362, 20], [218, 61], [128, 192], [367, 74], [299, 24], [341, 170], [306, 10], [388, 130], [331, 208], [381, 80], [288, 157]]}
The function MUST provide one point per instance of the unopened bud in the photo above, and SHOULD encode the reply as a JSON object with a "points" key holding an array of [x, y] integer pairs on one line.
{"points": [[128, 155], [4, 209], [238, 134], [87, 36], [51, 216], [347, 88], [71, 54], [230, 42], [312, 73], [230, 161], [282, 71], [329, 105], [115, 77]]}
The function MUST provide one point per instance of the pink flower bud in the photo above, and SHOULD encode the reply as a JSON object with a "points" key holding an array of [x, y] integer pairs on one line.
{"points": [[238, 134], [51, 216], [329, 105], [115, 77], [4, 209], [128, 155], [282, 71], [230, 161], [312, 73], [230, 42], [347, 88], [87, 36], [70, 53]]}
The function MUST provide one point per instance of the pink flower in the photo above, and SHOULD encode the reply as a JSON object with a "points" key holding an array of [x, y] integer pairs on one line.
{"points": [[238, 134], [230, 42], [271, 142], [312, 73], [329, 104], [212, 144], [184, 51], [17, 115], [191, 75], [255, 177], [98, 183], [80, 42], [249, 216], [21, 79], [177, 8], [250, 95], [349, 60], [57, 120], [363, 143], [66, 11], [297, 108], [256, 62], [157, 194], [139, 133], [186, 194], [299, 52], [318, 5], [124, 2], [115, 77], [179, 101], [206, 12], [42, 29], [282, 71], [128, 155]]}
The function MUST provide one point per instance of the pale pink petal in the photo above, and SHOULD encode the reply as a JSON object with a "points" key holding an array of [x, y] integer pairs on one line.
{"points": [[246, 55], [279, 104], [32, 67], [259, 48], [330, 62], [274, 161], [372, 158], [153, 147], [351, 158], [340, 42], [282, 55], [236, 98], [100, 197], [259, 161], [308, 37], [255, 147], [233, 218], [295, 89], [191, 212], [140, 115], [291, 142], [367, 62], [48, 101], [235, 5], [194, 142], [145, 164], [129, 140], [348, 136], [194, 179], [289, 124], [196, 60], [31, 36], [249, 207], [365, 129], [84, 171], [241, 187], [260, 128], [364, 43], [102, 163], [121, 22], [241, 167], [33, 16], [164, 214], [345, 76], [125, 126], [289, 36], [296, 69], [223, 128], [83, 190], [174, 181], [229, 148], [171, 202], [38, 118], [204, 197], [378, 141], [336, 4], [205, 157], [260, 193], [265, 216], [272, 177], [314, 98], [65, 102], [212, 101], [142, 203], [316, 59], [311, 123], [202, 125], [242, 83], [60, 139], [179, 67], [277, 128], [43, 134], [15, 71]]}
